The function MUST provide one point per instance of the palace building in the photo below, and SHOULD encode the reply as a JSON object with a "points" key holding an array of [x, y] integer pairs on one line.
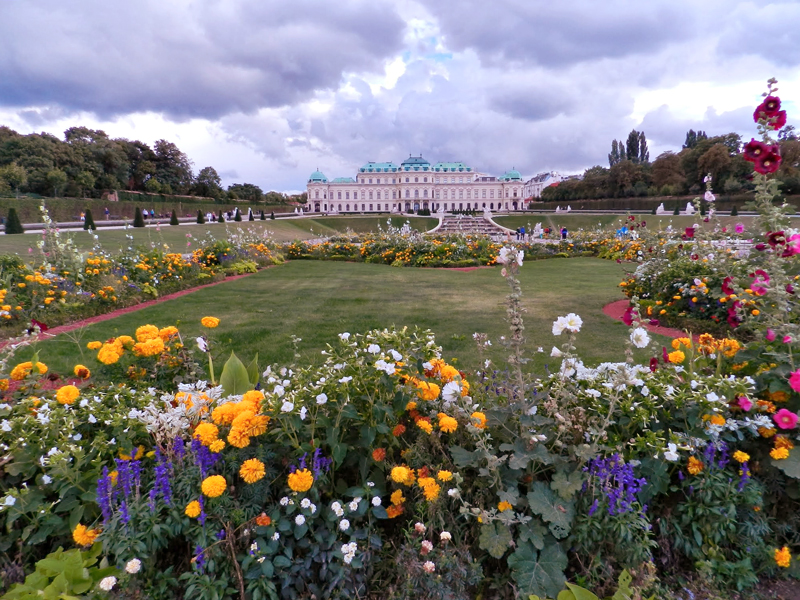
{"points": [[415, 185]]}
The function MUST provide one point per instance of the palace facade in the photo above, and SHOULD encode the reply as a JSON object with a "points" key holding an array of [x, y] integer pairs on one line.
{"points": [[415, 185]]}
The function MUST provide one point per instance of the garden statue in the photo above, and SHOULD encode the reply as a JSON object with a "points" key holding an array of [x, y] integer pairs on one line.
{"points": [[661, 210], [689, 209]]}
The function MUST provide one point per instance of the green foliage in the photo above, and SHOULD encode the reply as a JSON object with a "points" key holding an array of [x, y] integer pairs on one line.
{"points": [[200, 217], [88, 220], [12, 224], [138, 220], [238, 216], [220, 218], [538, 572], [263, 217], [558, 513], [235, 378], [64, 576], [734, 211], [495, 538], [173, 220]]}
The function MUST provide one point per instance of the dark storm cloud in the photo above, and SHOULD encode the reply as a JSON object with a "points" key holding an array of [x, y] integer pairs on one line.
{"points": [[200, 59], [768, 31], [563, 33], [532, 102]]}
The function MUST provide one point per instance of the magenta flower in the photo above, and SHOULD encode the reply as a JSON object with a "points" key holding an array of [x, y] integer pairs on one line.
{"points": [[726, 286], [754, 150], [744, 403], [740, 228], [690, 232], [769, 162], [768, 108], [794, 380], [787, 339], [785, 419], [770, 335], [760, 282], [627, 316], [792, 246]]}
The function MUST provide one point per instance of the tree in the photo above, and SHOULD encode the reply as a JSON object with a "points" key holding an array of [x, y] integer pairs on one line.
{"points": [[263, 217], [246, 191], [207, 183], [692, 137], [636, 147], [677, 209], [173, 167], [138, 220], [667, 170], [715, 161], [787, 133], [152, 185], [15, 176], [173, 220], [57, 180], [734, 211], [200, 218], [251, 216], [272, 216], [616, 155], [84, 180], [13, 224], [88, 221]]}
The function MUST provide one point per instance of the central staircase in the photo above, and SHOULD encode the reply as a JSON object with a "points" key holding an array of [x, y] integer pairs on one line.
{"points": [[470, 225]]}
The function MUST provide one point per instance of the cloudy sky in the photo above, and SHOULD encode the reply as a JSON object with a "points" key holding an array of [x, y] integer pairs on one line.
{"points": [[266, 91]]}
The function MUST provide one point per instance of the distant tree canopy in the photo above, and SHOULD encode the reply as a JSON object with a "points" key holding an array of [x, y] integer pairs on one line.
{"points": [[87, 162]]}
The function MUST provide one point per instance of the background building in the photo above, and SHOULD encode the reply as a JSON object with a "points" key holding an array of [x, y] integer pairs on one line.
{"points": [[534, 186], [415, 185]]}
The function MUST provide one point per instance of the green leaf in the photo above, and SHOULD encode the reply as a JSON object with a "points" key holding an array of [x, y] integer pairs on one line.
{"points": [[567, 484], [533, 532], [790, 466], [281, 562], [495, 538], [538, 573], [463, 458], [558, 513], [581, 593], [624, 591], [234, 379], [267, 569], [253, 372]]}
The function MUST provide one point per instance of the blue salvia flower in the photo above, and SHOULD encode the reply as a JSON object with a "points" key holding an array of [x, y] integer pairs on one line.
{"points": [[162, 485], [104, 495], [199, 558]]}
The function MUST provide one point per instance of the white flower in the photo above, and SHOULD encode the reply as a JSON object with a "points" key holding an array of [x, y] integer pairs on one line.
{"points": [[712, 397], [419, 527], [261, 559], [313, 508], [573, 322], [299, 520], [671, 454], [322, 398], [5, 425], [285, 501], [451, 391], [133, 566], [555, 352], [540, 349], [83, 403], [303, 412], [92, 419], [354, 504], [373, 348], [395, 355], [453, 492], [278, 391], [709, 197], [276, 536], [445, 536], [287, 406], [645, 390], [345, 379], [305, 503], [559, 325], [337, 509], [46, 479], [108, 583], [77, 437], [202, 344], [639, 337], [428, 567], [9, 501], [344, 336], [344, 524], [376, 501], [426, 547]]}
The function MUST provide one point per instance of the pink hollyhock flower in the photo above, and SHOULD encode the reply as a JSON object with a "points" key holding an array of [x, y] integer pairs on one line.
{"points": [[779, 120], [792, 246], [726, 285], [768, 108], [794, 380], [776, 238], [690, 232], [769, 162], [653, 364], [744, 403], [770, 335], [754, 150], [760, 282], [664, 354], [740, 228], [785, 419], [733, 318], [787, 339], [627, 316], [709, 197]]}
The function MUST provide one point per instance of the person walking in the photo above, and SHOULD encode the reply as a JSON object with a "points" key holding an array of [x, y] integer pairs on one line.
{"points": [[563, 233], [108, 213]]}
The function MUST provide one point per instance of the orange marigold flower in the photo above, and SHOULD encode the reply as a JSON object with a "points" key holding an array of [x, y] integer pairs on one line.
{"points": [[400, 474], [214, 486], [767, 432], [146, 332], [425, 425], [504, 506], [766, 406], [167, 332], [740, 456], [192, 509], [22, 370], [411, 406], [395, 510], [94, 345], [397, 497], [238, 438], [676, 357], [447, 423], [427, 390], [779, 453], [84, 536], [301, 480], [783, 442], [210, 322], [779, 396], [67, 394], [378, 454], [783, 557], [444, 475], [217, 446], [207, 433], [263, 520], [478, 420], [252, 470], [398, 430], [695, 466], [82, 372]]}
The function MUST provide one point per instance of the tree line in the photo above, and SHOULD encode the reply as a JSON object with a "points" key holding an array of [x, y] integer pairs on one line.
{"points": [[87, 163], [630, 172]]}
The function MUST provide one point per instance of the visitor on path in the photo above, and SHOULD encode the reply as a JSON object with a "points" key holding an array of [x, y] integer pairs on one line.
{"points": [[563, 233], [83, 216], [108, 213], [522, 233]]}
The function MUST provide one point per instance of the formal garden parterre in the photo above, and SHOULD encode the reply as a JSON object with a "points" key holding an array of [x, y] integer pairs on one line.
{"points": [[163, 469]]}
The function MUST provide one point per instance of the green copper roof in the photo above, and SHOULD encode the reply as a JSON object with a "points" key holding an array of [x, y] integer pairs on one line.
{"points": [[343, 180], [511, 175], [379, 167], [318, 177], [415, 163], [452, 167]]}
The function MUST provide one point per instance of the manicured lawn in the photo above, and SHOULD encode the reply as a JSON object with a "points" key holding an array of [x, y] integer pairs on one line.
{"points": [[574, 222], [281, 230], [318, 300]]}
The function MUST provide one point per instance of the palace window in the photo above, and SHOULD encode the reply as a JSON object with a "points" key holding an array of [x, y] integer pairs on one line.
{"points": [[370, 206], [363, 194], [506, 193], [394, 194], [491, 205], [416, 193], [469, 193], [406, 179], [483, 195], [424, 193], [370, 180], [370, 194], [424, 180], [385, 207], [491, 193], [438, 195], [363, 207], [460, 195], [347, 207], [408, 193], [416, 179], [316, 194]]}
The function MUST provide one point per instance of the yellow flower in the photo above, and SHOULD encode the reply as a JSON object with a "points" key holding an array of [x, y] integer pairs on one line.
{"points": [[22, 370], [108, 355], [431, 491], [207, 433], [425, 425], [94, 345], [447, 424], [400, 474], [397, 497], [779, 453], [84, 536], [238, 438], [146, 332], [82, 372], [677, 342], [427, 390], [695, 466], [167, 332], [3, 385], [67, 394], [192, 509], [504, 506], [214, 486], [740, 456], [217, 446], [783, 557], [676, 357], [149, 347], [767, 432], [209, 322], [478, 420], [301, 480], [126, 341], [447, 373], [444, 475], [252, 470], [411, 406]]}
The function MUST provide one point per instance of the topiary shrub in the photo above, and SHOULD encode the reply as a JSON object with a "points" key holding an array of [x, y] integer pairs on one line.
{"points": [[238, 216], [252, 217], [734, 211], [13, 224], [138, 219], [272, 216], [263, 216], [200, 218], [173, 220], [677, 210], [88, 221], [220, 218]]}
